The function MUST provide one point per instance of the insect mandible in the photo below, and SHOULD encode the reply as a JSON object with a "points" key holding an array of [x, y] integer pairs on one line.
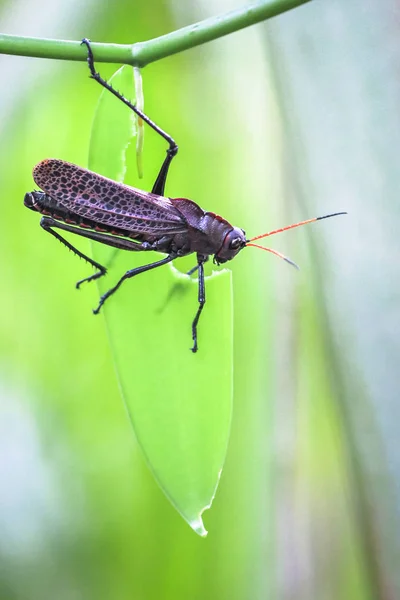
{"points": [[79, 201]]}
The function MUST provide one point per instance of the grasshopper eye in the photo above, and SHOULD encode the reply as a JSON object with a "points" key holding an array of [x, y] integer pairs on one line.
{"points": [[235, 243]]}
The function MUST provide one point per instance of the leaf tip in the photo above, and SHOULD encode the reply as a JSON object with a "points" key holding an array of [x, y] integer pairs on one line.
{"points": [[198, 526]]}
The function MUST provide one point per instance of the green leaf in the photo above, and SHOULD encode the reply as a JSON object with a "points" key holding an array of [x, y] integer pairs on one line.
{"points": [[179, 403], [137, 74]]}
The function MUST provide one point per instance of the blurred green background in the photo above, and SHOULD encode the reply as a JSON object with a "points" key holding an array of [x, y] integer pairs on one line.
{"points": [[283, 121]]}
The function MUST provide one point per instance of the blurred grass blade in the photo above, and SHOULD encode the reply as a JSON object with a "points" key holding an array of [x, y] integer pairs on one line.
{"points": [[179, 403]]}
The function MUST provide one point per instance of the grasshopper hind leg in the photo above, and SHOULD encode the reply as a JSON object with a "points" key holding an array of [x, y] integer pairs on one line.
{"points": [[48, 223]]}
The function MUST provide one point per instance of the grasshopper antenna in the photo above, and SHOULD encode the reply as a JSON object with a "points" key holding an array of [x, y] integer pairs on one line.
{"points": [[264, 235]]}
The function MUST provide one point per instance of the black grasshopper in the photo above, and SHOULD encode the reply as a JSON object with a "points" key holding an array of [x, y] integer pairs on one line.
{"points": [[82, 202]]}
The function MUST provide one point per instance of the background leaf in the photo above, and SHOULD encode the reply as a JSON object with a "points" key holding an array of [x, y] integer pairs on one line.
{"points": [[179, 403]]}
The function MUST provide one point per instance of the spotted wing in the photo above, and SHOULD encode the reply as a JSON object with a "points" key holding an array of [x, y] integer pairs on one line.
{"points": [[107, 202]]}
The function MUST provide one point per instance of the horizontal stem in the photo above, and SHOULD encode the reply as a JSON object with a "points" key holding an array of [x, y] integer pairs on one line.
{"points": [[210, 29], [64, 49], [143, 53]]}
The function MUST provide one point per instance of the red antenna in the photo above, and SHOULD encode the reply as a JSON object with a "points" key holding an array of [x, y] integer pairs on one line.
{"points": [[263, 235]]}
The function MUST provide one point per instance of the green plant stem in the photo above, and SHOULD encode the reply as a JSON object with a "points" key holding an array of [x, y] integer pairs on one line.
{"points": [[211, 29], [143, 53]]}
